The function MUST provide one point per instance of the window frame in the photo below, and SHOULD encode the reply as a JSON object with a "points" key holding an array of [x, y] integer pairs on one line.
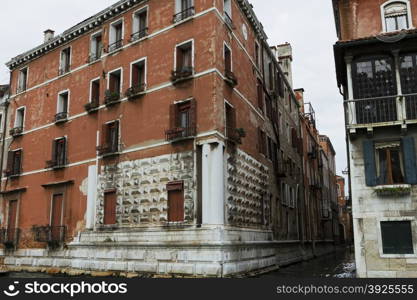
{"points": [[23, 117], [388, 3], [91, 89], [413, 235], [135, 15], [112, 34], [92, 37], [226, 45], [58, 104], [145, 62], [68, 70], [18, 88], [192, 54], [121, 79]]}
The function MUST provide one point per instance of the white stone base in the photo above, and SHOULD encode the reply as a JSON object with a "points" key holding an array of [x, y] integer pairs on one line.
{"points": [[167, 251]]}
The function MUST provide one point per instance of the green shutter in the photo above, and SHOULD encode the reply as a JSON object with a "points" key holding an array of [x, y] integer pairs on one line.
{"points": [[409, 160], [369, 159]]}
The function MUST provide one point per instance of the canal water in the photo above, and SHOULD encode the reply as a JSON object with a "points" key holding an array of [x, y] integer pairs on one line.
{"points": [[340, 265]]}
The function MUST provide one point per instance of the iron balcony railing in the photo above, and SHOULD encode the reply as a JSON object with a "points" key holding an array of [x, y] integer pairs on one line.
{"points": [[140, 34], [95, 56], [186, 13], [53, 235], [64, 69], [108, 150], [180, 133], [92, 106], [9, 237], [111, 97], [135, 91], [17, 131], [386, 110], [115, 46], [61, 117], [183, 73]]}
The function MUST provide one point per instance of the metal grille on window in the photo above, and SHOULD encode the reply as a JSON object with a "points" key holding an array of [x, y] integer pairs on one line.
{"points": [[375, 89]]}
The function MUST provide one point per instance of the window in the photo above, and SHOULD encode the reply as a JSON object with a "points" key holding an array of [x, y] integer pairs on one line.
{"points": [[228, 12], [58, 154], [260, 95], [14, 163], [22, 81], [257, 56], [65, 63], [109, 138], [114, 86], [62, 106], [140, 24], [175, 201], [271, 76], [374, 77], [95, 92], [408, 73], [231, 131], [397, 237], [396, 16], [185, 57], [183, 120], [227, 59], [116, 36], [183, 10], [389, 163], [262, 142], [19, 118], [96, 47], [110, 204], [138, 75]]}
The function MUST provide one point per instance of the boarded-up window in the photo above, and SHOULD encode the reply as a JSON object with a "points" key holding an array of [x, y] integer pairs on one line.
{"points": [[175, 201], [110, 203], [397, 237]]}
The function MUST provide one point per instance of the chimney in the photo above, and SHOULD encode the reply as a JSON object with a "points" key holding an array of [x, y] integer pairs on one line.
{"points": [[48, 35], [299, 95], [284, 57]]}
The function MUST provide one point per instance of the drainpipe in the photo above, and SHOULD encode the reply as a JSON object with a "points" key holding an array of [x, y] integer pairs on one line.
{"points": [[3, 138]]}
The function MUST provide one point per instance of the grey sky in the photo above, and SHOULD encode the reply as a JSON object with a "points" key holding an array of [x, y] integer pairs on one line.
{"points": [[307, 26]]}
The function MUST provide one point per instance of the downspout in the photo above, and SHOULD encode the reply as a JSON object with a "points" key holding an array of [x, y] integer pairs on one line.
{"points": [[3, 138]]}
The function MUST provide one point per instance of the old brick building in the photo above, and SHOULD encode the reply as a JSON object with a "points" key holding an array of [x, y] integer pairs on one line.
{"points": [[345, 212], [155, 136], [376, 72]]}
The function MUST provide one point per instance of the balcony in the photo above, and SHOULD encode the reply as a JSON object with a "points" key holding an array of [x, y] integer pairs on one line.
{"points": [[53, 235], [136, 36], [115, 46], [235, 135], [230, 78], [183, 15], [229, 21], [135, 91], [64, 70], [61, 117], [17, 131], [381, 111], [183, 74], [111, 98], [13, 172], [56, 165], [177, 134], [108, 150], [9, 237], [93, 57], [92, 106]]}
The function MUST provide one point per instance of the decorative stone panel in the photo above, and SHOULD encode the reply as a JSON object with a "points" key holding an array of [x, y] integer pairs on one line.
{"points": [[142, 197], [247, 186]]}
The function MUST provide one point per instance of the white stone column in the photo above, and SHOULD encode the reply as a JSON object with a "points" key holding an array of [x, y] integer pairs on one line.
{"points": [[91, 197], [213, 183], [351, 105]]}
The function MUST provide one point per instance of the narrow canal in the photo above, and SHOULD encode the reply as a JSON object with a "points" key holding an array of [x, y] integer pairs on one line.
{"points": [[340, 264]]}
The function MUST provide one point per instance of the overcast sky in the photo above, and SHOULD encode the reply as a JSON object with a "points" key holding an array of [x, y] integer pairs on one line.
{"points": [[307, 26]]}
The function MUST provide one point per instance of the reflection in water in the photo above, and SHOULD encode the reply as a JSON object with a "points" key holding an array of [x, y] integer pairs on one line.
{"points": [[340, 264]]}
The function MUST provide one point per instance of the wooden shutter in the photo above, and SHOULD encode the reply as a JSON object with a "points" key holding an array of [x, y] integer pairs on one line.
{"points": [[110, 203], [135, 75], [54, 156], [409, 153], [114, 135], [104, 139], [193, 116], [173, 116], [180, 58], [95, 92], [17, 162], [370, 166], [10, 160]]}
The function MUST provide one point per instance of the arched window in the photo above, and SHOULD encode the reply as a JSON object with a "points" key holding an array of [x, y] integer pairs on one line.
{"points": [[396, 16]]}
